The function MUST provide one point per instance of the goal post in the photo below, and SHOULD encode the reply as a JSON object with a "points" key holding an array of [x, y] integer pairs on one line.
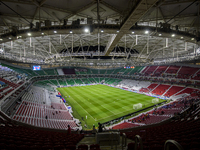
{"points": [[137, 106], [155, 100]]}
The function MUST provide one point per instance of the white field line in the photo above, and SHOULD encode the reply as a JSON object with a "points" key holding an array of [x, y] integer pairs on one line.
{"points": [[80, 105], [108, 109], [114, 114]]}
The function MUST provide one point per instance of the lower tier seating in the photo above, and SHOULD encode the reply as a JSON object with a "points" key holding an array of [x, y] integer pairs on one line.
{"points": [[13, 137]]}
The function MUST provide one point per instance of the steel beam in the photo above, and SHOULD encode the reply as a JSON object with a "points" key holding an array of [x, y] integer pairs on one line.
{"points": [[140, 9]]}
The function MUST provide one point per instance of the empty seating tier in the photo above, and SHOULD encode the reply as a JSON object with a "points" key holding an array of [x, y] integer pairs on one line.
{"points": [[173, 90], [160, 89]]}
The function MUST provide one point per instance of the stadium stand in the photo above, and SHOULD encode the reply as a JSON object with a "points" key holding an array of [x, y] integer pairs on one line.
{"points": [[160, 89], [186, 72], [160, 70], [173, 90], [21, 137], [69, 70], [150, 70], [185, 132], [37, 109]]}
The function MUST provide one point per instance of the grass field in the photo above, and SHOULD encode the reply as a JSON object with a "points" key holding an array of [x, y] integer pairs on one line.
{"points": [[101, 103]]}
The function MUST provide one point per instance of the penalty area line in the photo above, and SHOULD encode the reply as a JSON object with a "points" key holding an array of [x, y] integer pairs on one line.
{"points": [[81, 106], [114, 115]]}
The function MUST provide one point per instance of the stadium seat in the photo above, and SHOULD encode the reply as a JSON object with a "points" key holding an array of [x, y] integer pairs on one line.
{"points": [[83, 147], [131, 146]]}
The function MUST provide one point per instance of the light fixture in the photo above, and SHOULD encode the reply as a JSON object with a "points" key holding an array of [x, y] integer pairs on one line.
{"points": [[133, 32], [146, 32], [160, 34], [181, 37], [29, 34], [192, 39], [86, 30], [42, 33], [102, 31], [117, 31], [1, 39], [70, 32], [9, 38], [55, 31], [173, 35]]}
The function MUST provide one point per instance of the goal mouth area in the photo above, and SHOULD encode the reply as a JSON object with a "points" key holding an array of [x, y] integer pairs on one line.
{"points": [[155, 100], [137, 106]]}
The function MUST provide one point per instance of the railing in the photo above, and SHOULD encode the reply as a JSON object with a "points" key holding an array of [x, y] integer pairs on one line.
{"points": [[124, 141], [169, 142], [138, 139]]}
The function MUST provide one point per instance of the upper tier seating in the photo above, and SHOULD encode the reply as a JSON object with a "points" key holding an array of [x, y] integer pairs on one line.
{"points": [[160, 70], [150, 70], [136, 70], [186, 72], [196, 76], [172, 69], [51, 71]]}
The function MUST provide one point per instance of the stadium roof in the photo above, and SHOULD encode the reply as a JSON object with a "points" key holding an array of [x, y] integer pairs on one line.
{"points": [[99, 32]]}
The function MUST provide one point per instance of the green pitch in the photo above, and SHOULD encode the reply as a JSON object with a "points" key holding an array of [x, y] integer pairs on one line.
{"points": [[101, 103]]}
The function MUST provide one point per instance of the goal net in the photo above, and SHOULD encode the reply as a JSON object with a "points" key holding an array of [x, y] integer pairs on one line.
{"points": [[137, 106], [155, 100]]}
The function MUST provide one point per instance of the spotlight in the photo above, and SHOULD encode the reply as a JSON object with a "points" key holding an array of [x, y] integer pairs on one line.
{"points": [[29, 34], [1, 39], [55, 31], [9, 38], [86, 30], [42, 33], [19, 37], [102, 31], [70, 32], [181, 37], [117, 31], [133, 32], [160, 34], [192, 39], [173, 35], [146, 32]]}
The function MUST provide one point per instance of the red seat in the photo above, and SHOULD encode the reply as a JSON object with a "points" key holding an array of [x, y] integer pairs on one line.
{"points": [[71, 147], [83, 147], [131, 146], [95, 146]]}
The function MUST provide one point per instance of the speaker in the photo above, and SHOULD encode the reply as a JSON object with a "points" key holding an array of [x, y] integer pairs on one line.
{"points": [[89, 20], [31, 25], [65, 22], [47, 23], [38, 25]]}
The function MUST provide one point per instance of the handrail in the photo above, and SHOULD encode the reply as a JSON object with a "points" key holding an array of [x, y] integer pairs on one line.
{"points": [[168, 142], [124, 140], [138, 139]]}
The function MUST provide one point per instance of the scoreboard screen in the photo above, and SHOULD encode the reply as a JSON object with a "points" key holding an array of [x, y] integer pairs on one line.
{"points": [[36, 68]]}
